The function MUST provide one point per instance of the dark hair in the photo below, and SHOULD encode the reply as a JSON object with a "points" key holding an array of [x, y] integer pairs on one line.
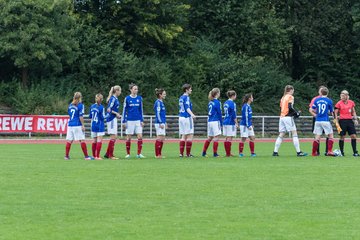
{"points": [[158, 92], [185, 87], [230, 93], [131, 85], [324, 91], [246, 97]]}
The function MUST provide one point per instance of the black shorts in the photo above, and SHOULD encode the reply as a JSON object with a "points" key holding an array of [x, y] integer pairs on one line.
{"points": [[347, 125]]}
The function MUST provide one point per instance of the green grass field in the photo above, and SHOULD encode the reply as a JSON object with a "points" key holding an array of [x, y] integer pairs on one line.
{"points": [[43, 196]]}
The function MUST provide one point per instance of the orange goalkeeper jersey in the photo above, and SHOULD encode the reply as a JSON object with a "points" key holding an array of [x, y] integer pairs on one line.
{"points": [[284, 104]]}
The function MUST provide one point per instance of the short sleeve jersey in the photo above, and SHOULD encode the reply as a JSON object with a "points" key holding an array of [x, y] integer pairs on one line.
{"points": [[113, 105], [97, 116], [133, 109], [284, 104], [75, 113], [160, 111], [246, 115], [323, 106], [345, 109], [214, 111], [184, 105], [230, 112]]}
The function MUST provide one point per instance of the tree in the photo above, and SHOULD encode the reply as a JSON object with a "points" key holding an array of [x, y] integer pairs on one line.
{"points": [[37, 34]]}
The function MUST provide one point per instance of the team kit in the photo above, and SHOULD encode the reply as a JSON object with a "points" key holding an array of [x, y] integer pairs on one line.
{"points": [[321, 108]]}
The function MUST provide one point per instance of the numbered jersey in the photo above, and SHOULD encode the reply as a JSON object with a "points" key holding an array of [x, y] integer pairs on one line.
{"points": [[323, 106], [214, 111], [230, 112], [160, 111], [75, 113], [184, 105], [113, 105], [97, 116]]}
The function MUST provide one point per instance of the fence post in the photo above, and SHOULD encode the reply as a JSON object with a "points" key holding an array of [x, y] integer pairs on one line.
{"points": [[151, 126], [29, 134], [263, 127]]}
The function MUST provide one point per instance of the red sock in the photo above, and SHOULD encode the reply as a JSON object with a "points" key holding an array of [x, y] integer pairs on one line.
{"points": [[84, 149], [315, 147], [98, 149], [227, 146], [161, 146], [93, 148], [215, 146], [112, 147], [241, 147], [252, 147], [108, 149], [139, 143], [188, 147], [206, 145], [330, 144], [128, 145], [182, 147], [157, 147], [67, 149]]}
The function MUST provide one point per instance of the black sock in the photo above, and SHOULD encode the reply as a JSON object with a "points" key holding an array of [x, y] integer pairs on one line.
{"points": [[353, 144], [341, 146]]}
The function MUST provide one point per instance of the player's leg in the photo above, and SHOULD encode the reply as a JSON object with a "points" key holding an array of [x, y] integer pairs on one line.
{"points": [[94, 143], [215, 146], [312, 130], [227, 145], [98, 147], [69, 140], [318, 129], [210, 133], [138, 131], [189, 137], [352, 132], [278, 142], [112, 127], [241, 144], [182, 128], [252, 145]]}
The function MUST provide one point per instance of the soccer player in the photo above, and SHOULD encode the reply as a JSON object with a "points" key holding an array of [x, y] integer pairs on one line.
{"points": [[160, 121], [230, 121], [111, 119], [214, 122], [97, 116], [314, 118], [133, 120], [321, 107], [286, 122], [186, 121], [346, 108], [76, 127], [246, 126]]}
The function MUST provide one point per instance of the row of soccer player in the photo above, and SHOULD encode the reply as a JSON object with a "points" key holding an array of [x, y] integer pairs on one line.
{"points": [[132, 120]]}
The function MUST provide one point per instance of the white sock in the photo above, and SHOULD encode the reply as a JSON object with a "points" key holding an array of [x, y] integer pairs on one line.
{"points": [[296, 143], [277, 144]]}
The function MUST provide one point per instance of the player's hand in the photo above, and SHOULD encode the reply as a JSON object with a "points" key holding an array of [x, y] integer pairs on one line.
{"points": [[118, 115], [83, 128], [162, 126], [124, 125], [193, 116], [250, 128], [142, 124], [356, 122], [237, 125]]}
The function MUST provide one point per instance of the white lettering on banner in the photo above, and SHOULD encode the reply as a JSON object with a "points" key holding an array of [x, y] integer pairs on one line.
{"points": [[60, 124], [0, 124], [17, 123], [50, 124], [6, 124], [41, 124], [28, 124]]}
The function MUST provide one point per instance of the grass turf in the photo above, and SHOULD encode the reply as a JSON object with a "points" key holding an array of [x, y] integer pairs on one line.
{"points": [[43, 196]]}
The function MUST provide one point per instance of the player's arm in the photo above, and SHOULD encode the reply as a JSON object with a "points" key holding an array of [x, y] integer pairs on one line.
{"points": [[124, 115], [294, 112], [188, 110], [354, 116], [220, 113], [81, 117], [141, 112]]}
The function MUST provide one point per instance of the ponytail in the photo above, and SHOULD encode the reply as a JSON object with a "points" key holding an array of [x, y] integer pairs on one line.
{"points": [[246, 98], [112, 92], [158, 92], [98, 98], [77, 98], [213, 93]]}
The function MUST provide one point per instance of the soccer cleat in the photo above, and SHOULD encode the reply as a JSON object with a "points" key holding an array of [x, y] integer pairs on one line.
{"points": [[98, 158], [159, 156], [190, 156], [106, 156], [275, 154], [113, 158], [204, 154], [315, 154], [89, 158], [140, 156], [241, 154], [216, 155], [66, 158], [127, 156], [331, 154], [181, 155], [253, 155], [356, 154], [301, 154]]}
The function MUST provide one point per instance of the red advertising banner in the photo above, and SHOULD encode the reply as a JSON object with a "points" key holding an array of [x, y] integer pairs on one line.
{"points": [[33, 123]]}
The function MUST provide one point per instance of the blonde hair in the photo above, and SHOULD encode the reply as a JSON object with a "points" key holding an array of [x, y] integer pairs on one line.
{"points": [[77, 98], [288, 88], [213, 93], [98, 98], [112, 91]]}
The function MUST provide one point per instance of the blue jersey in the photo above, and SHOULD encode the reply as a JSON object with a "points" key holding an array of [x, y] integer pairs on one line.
{"points": [[214, 111], [246, 115], [323, 105], [75, 112], [184, 105], [230, 112], [97, 116], [133, 109], [160, 111], [113, 105]]}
